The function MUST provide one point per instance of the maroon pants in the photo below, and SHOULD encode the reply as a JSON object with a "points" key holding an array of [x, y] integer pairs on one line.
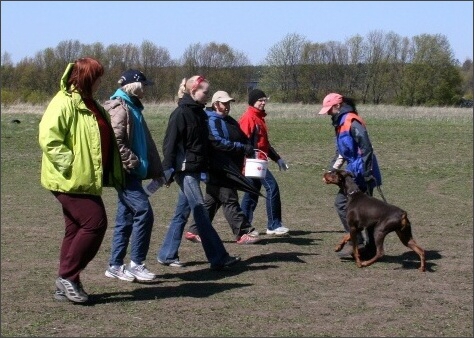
{"points": [[86, 222]]}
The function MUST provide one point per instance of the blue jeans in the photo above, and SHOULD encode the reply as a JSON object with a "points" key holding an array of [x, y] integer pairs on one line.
{"points": [[190, 199], [273, 201], [134, 219]]}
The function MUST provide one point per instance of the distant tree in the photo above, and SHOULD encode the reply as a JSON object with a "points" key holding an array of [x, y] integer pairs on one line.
{"points": [[68, 51], [95, 50], [282, 76], [432, 76], [221, 64], [467, 74]]}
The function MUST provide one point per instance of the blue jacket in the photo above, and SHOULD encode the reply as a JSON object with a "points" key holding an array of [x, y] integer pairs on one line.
{"points": [[226, 137], [353, 143]]}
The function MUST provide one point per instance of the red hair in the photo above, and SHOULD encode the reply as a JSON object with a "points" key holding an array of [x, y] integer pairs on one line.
{"points": [[85, 73]]}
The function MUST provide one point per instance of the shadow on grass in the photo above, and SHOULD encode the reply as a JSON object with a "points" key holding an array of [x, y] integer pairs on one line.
{"points": [[292, 238], [150, 291], [409, 260], [153, 292]]}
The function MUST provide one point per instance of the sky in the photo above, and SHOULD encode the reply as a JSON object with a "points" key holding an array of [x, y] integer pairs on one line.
{"points": [[249, 27]]}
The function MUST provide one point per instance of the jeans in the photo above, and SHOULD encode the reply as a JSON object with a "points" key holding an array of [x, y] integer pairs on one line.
{"points": [[273, 201], [190, 199], [134, 219]]}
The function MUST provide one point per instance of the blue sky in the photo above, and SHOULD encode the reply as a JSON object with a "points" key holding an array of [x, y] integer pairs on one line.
{"points": [[251, 27]]}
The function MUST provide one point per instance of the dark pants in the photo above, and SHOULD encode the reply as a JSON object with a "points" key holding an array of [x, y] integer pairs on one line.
{"points": [[86, 222], [228, 198], [366, 237]]}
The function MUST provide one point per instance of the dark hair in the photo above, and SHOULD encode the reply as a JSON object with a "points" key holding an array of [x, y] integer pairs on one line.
{"points": [[85, 73], [351, 102]]}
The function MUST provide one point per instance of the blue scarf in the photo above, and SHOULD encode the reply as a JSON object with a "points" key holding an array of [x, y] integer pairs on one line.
{"points": [[138, 139]]}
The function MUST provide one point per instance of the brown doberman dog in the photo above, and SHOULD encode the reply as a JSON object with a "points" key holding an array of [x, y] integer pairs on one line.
{"points": [[364, 211]]}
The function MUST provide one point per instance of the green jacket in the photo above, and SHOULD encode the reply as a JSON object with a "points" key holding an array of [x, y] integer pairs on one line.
{"points": [[70, 140]]}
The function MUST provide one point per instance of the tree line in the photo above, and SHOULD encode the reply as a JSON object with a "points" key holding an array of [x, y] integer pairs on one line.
{"points": [[380, 68]]}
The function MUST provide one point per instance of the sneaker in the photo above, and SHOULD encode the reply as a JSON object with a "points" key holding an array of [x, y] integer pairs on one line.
{"points": [[175, 264], [278, 231], [140, 272], [229, 261], [60, 295], [250, 238], [192, 237], [120, 272], [347, 251], [73, 291]]}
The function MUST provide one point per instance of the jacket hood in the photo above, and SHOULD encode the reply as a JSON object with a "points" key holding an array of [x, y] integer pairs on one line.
{"points": [[187, 100], [337, 117], [65, 77], [255, 111], [131, 101], [74, 95]]}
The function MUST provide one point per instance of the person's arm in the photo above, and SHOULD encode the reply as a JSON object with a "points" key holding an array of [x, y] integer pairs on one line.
{"points": [[119, 120], [337, 162], [217, 129], [359, 133], [52, 132], [171, 139]]}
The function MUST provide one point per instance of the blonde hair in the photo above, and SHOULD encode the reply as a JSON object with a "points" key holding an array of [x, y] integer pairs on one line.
{"points": [[182, 88], [133, 89]]}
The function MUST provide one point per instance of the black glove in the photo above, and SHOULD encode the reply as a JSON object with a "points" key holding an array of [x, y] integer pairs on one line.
{"points": [[369, 179], [248, 150]]}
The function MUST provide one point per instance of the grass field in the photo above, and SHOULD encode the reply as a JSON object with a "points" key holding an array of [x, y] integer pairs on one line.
{"points": [[289, 286]]}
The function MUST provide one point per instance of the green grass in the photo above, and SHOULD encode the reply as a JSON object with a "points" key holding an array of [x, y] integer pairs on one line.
{"points": [[290, 286]]}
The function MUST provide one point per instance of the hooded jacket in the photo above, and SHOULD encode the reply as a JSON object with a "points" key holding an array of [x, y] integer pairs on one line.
{"points": [[227, 139], [252, 122], [138, 151], [186, 141], [69, 137], [353, 144]]}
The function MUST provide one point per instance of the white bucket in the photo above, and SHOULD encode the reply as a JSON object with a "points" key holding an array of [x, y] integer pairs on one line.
{"points": [[256, 168]]}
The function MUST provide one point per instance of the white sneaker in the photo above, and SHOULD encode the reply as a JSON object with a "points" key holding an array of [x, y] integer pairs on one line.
{"points": [[278, 231], [119, 272], [140, 272]]}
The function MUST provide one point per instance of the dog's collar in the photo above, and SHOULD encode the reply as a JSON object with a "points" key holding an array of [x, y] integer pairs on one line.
{"points": [[352, 192]]}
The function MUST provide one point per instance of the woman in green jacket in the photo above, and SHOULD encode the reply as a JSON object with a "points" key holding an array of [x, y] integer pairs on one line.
{"points": [[80, 157]]}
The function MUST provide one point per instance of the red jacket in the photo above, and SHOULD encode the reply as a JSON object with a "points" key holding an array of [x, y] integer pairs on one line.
{"points": [[252, 122]]}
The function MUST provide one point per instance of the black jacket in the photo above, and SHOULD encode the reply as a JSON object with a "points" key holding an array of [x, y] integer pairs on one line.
{"points": [[185, 145]]}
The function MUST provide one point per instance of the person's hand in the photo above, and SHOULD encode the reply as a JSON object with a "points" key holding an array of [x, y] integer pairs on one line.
{"points": [[369, 178], [168, 173], [248, 150], [205, 177], [282, 165]]}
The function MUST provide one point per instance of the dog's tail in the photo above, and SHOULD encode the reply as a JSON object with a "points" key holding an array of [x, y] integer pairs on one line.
{"points": [[405, 222]]}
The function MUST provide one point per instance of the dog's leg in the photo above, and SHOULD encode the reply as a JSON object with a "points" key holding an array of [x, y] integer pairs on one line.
{"points": [[379, 237], [406, 237], [355, 245], [346, 238]]}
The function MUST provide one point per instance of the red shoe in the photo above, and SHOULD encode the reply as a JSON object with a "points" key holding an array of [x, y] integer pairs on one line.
{"points": [[192, 237], [248, 239]]}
